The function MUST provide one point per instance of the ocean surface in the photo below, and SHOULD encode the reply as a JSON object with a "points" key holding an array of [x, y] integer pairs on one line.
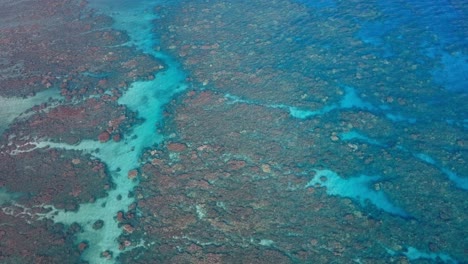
{"points": [[254, 131]]}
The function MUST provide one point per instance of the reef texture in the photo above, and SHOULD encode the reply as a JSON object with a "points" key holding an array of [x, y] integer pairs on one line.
{"points": [[229, 184], [66, 48]]}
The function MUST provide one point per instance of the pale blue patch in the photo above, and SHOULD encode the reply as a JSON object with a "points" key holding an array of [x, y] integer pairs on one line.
{"points": [[6, 196], [352, 100], [303, 114], [384, 107], [236, 99], [400, 118], [15, 107], [453, 73], [293, 111], [357, 188], [414, 254], [373, 33], [425, 158], [460, 182], [353, 135], [134, 17]]}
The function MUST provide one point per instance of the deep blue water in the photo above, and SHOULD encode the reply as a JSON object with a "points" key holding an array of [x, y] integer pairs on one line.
{"points": [[445, 40]]}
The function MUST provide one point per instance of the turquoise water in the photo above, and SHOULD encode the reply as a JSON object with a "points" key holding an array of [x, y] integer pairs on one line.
{"points": [[386, 117], [440, 50], [147, 98]]}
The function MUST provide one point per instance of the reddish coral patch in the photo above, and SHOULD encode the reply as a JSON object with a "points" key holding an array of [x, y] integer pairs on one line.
{"points": [[104, 137], [176, 147], [82, 246], [132, 174], [116, 137], [236, 164], [128, 228]]}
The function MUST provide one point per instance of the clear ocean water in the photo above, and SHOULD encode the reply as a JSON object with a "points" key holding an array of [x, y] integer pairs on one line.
{"points": [[278, 132]]}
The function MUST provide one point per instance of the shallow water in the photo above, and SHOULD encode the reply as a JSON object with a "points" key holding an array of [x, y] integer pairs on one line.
{"points": [[284, 132]]}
